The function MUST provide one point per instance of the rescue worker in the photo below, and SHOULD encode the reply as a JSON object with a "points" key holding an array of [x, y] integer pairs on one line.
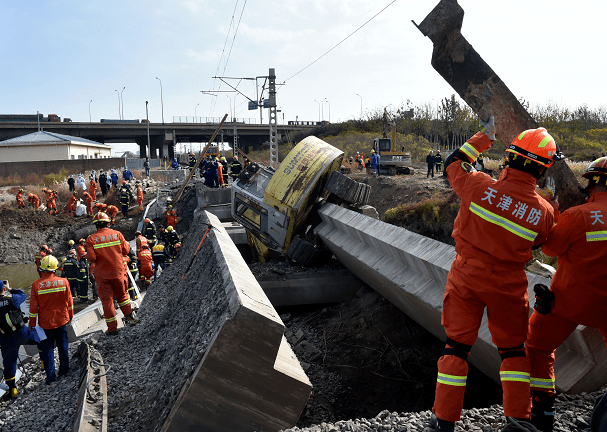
{"points": [[146, 270], [81, 249], [127, 175], [224, 170], [481, 161], [70, 245], [498, 223], [51, 204], [101, 207], [44, 251], [83, 280], [52, 307], [106, 247], [192, 161], [19, 198], [132, 267], [71, 204], [81, 182], [438, 161], [212, 168], [375, 163], [139, 241], [235, 169], [71, 183], [125, 199], [13, 334], [175, 164], [33, 201], [93, 187], [219, 175], [430, 163], [171, 216], [139, 196], [112, 211], [89, 204], [69, 270], [149, 231], [146, 166], [172, 238], [577, 293], [114, 178], [161, 234], [103, 182], [159, 255]]}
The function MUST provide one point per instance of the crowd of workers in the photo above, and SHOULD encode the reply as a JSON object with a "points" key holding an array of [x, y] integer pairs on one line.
{"points": [[499, 223], [103, 262], [216, 172]]}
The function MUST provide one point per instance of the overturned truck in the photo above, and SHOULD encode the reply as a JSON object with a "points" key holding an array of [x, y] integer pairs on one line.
{"points": [[279, 207]]}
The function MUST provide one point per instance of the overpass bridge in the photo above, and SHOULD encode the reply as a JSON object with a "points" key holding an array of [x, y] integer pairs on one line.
{"points": [[163, 136]]}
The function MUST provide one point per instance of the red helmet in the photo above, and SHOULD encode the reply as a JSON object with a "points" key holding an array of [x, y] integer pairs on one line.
{"points": [[146, 220], [100, 217], [596, 173], [123, 181], [536, 145], [44, 247], [82, 240]]}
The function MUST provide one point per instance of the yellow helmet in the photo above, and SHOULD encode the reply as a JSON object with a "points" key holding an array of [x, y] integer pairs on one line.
{"points": [[49, 263], [169, 228], [70, 242]]}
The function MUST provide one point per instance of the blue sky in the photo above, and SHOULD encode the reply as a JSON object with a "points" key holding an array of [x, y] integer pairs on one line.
{"points": [[57, 56]]}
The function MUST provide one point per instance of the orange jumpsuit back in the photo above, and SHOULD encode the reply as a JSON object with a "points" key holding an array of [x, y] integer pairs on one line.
{"points": [[140, 197], [20, 202], [89, 205], [498, 223], [579, 239], [106, 248], [71, 205], [34, 201], [172, 218], [112, 211], [146, 270], [51, 304], [220, 174], [81, 251], [93, 189], [139, 241]]}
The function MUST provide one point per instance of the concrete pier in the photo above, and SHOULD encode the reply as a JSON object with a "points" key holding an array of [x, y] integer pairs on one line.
{"points": [[411, 271]]}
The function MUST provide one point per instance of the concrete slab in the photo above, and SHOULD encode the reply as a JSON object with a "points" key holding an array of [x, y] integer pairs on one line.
{"points": [[411, 271], [249, 379], [169, 175], [236, 232]]}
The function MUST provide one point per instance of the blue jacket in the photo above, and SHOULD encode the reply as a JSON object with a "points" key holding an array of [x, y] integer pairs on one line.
{"points": [[127, 175], [374, 160], [175, 164], [114, 177], [212, 167]]}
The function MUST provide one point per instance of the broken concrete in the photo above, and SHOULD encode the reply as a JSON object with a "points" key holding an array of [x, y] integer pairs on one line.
{"points": [[169, 175], [411, 271]]}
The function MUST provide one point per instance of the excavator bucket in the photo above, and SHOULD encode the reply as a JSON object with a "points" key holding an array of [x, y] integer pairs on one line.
{"points": [[476, 83]]}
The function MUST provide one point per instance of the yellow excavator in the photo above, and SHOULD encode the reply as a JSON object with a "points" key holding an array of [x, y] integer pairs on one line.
{"points": [[392, 160]]}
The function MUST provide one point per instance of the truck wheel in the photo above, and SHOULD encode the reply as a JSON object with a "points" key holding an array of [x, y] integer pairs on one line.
{"points": [[347, 189], [390, 171], [303, 252]]}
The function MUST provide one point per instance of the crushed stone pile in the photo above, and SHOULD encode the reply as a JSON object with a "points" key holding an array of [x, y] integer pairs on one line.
{"points": [[573, 414], [279, 269]]}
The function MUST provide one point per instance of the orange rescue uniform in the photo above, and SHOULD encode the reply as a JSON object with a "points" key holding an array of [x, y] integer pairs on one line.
{"points": [[51, 304], [140, 197], [19, 197], [34, 201], [93, 190], [71, 205], [81, 251], [172, 218], [41, 254], [145, 266], [89, 205], [139, 241], [498, 223], [579, 239], [112, 211], [106, 248]]}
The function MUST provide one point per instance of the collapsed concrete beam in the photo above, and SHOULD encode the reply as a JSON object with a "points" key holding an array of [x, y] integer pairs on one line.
{"points": [[248, 379], [411, 271]]}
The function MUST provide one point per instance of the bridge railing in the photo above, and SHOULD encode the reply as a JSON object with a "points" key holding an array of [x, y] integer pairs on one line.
{"points": [[192, 119]]}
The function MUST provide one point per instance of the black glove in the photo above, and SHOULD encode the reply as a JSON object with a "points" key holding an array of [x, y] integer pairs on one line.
{"points": [[543, 299]]}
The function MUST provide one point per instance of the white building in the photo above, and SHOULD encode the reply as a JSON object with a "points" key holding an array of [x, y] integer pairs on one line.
{"points": [[45, 146]]}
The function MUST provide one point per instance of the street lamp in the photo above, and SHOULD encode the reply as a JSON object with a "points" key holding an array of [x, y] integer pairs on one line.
{"points": [[122, 99], [90, 120], [195, 111], [318, 109], [118, 93], [323, 103], [148, 126], [161, 101], [361, 105]]}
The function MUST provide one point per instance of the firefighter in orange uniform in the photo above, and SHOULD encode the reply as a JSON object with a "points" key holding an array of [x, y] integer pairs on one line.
{"points": [[93, 188], [140, 240], [81, 249], [146, 270], [106, 248], [33, 201], [51, 203], [52, 307], [112, 211], [101, 207], [577, 293], [89, 204], [171, 217], [44, 251], [19, 197], [139, 195], [71, 204], [498, 223]]}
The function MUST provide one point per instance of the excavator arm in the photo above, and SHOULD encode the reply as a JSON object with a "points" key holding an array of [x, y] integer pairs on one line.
{"points": [[476, 83]]}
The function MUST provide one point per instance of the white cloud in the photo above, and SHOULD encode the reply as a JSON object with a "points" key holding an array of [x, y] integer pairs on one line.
{"points": [[206, 56]]}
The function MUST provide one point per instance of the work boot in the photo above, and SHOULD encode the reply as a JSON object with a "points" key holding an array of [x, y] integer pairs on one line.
{"points": [[542, 410], [131, 319], [13, 392], [112, 332], [441, 425], [12, 387], [517, 425]]}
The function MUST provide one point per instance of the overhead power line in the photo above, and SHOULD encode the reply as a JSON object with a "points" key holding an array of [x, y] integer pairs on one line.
{"points": [[343, 40]]}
